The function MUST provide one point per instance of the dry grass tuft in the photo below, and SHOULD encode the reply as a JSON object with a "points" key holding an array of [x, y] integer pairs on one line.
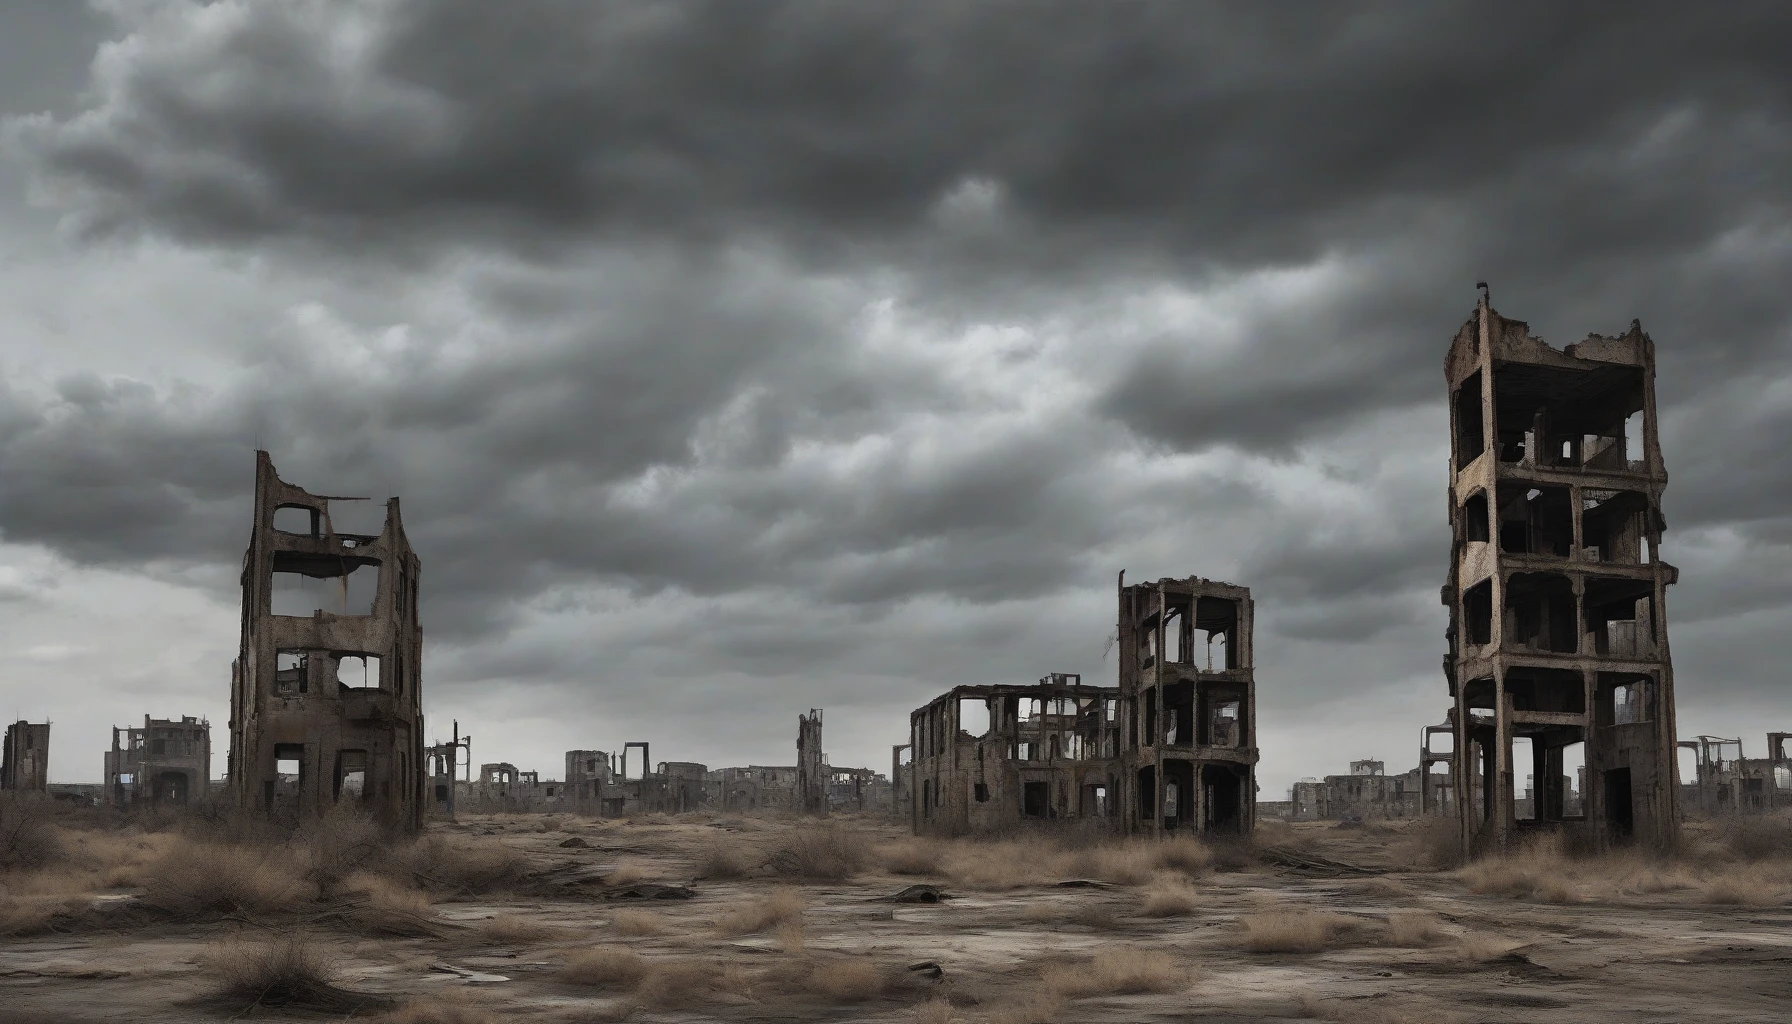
{"points": [[937, 1011], [1124, 864], [1745, 889], [1415, 928], [514, 929], [383, 904], [1118, 972], [720, 860], [637, 923], [1038, 1008], [1379, 1009], [779, 908], [848, 981], [443, 1009], [462, 866], [1185, 854], [35, 915], [1479, 947], [289, 972], [913, 857], [1292, 931], [1537, 871], [681, 984], [194, 881], [1759, 837], [829, 853], [1170, 897], [605, 967]]}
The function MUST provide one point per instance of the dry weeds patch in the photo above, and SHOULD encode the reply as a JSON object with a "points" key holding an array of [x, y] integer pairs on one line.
{"points": [[779, 908], [1118, 972], [1292, 931]]}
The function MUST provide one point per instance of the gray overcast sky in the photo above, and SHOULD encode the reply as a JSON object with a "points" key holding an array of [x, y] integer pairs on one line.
{"points": [[737, 358]]}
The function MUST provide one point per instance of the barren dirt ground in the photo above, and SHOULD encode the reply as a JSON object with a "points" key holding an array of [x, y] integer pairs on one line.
{"points": [[765, 934]]}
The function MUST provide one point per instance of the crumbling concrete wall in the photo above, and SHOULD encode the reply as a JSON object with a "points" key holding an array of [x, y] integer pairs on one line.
{"points": [[1556, 589], [1366, 792], [326, 702], [25, 758], [811, 765], [986, 758], [1188, 696], [753, 788], [587, 773], [164, 763], [860, 790], [1726, 781]]}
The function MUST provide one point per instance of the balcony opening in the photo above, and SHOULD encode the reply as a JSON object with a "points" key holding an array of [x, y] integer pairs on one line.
{"points": [[1477, 613], [1557, 691], [1540, 613], [1471, 433], [298, 520], [1535, 520], [304, 585]]}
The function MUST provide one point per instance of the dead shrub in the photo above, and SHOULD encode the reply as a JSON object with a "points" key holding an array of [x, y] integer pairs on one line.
{"points": [[1760, 837], [779, 908], [514, 929], [287, 972], [636, 923], [1292, 931], [1171, 897], [383, 904], [719, 860], [341, 842], [1537, 871], [1415, 928], [826, 853], [912, 857], [1117, 972], [28, 839], [195, 881], [605, 967]]}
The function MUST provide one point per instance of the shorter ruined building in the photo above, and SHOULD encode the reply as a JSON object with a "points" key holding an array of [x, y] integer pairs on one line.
{"points": [[1437, 759], [1367, 792], [990, 757], [902, 784], [165, 763], [753, 788], [25, 758], [683, 787], [1726, 781], [587, 774], [859, 790]]}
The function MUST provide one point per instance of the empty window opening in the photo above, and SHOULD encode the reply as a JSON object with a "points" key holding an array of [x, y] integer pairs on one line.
{"points": [[980, 792], [1474, 514], [1477, 613], [1540, 613], [1686, 762], [973, 716], [1535, 520], [290, 672], [1224, 723], [1028, 751], [905, 757], [1440, 767], [1036, 800], [1633, 438], [350, 590], [1572, 771], [357, 518], [1175, 643], [1471, 434], [351, 775], [1440, 743], [1623, 700], [1218, 618], [358, 671], [1541, 689], [1172, 800], [298, 520]]}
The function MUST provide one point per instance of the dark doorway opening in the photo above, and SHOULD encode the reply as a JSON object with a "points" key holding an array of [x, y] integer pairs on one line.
{"points": [[1619, 813], [1036, 799], [1224, 797]]}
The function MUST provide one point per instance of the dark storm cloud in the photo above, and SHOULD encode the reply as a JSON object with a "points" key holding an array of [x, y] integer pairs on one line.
{"points": [[639, 251]]}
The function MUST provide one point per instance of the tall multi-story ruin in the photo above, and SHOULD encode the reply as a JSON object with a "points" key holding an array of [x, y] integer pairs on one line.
{"points": [[811, 765], [1188, 697], [326, 695], [165, 763], [1558, 647], [25, 758]]}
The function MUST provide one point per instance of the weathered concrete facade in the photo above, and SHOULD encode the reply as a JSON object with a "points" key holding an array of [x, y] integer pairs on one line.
{"points": [[165, 763], [1724, 780], [25, 758], [587, 773], [988, 757], [1188, 698], [326, 705], [1558, 625], [860, 790], [811, 765], [753, 788], [1366, 792]]}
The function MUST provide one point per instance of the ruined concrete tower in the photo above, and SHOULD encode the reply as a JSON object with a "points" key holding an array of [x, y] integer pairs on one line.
{"points": [[25, 758], [326, 700], [1189, 703], [811, 773], [1558, 647]]}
